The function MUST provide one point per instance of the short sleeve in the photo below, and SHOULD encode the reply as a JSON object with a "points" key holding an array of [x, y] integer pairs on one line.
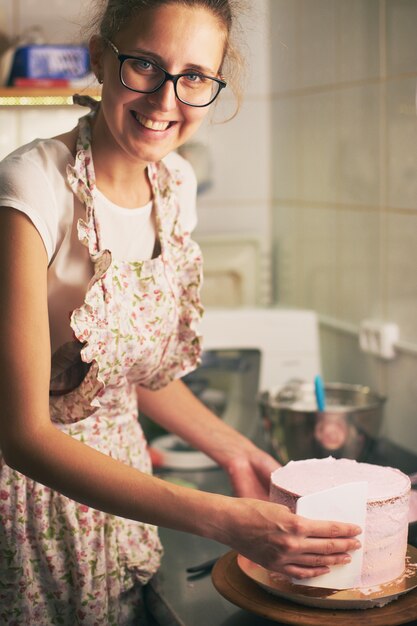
{"points": [[186, 180], [24, 185]]}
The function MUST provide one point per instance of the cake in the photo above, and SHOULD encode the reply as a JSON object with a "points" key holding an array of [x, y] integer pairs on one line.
{"points": [[386, 526]]}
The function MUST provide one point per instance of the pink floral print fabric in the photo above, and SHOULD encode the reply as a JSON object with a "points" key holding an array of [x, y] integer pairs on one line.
{"points": [[62, 562]]}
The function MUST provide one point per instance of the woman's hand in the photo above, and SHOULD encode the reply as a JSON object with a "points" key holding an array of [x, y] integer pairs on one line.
{"points": [[250, 473], [177, 409], [269, 534], [264, 532]]}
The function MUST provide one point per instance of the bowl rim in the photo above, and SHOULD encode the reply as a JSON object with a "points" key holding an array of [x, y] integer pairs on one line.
{"points": [[267, 398]]}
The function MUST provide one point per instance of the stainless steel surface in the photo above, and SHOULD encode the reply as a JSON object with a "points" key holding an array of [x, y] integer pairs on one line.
{"points": [[227, 382], [202, 568], [295, 429], [190, 599]]}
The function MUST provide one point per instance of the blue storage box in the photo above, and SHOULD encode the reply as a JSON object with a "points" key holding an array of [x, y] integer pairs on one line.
{"points": [[44, 61]]}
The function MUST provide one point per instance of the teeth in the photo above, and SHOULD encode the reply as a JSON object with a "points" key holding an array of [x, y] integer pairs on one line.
{"points": [[145, 121]]}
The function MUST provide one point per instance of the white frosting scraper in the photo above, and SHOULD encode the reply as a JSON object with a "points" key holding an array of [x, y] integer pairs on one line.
{"points": [[345, 503]]}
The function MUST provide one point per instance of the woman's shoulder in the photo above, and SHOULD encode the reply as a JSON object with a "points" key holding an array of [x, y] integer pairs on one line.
{"points": [[33, 181], [39, 157], [69, 140]]}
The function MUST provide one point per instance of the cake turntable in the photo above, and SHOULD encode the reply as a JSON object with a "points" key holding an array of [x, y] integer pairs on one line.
{"points": [[271, 596]]}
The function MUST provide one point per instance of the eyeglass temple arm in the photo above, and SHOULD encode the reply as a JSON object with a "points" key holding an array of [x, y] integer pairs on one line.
{"points": [[112, 46]]}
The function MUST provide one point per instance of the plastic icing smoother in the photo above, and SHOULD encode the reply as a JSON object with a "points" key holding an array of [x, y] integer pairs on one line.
{"points": [[345, 503]]}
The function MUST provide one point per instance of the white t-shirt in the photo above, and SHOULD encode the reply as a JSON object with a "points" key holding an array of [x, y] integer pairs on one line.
{"points": [[33, 180]]}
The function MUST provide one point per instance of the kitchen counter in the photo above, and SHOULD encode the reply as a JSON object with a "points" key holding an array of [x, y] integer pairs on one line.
{"points": [[180, 599]]}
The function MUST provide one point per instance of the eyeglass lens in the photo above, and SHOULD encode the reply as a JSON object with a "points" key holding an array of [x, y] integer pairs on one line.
{"points": [[141, 75]]}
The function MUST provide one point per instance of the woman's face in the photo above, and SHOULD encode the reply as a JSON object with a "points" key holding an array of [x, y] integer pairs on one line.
{"points": [[146, 127]]}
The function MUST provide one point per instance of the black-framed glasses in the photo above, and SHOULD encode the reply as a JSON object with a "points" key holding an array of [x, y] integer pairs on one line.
{"points": [[144, 76]]}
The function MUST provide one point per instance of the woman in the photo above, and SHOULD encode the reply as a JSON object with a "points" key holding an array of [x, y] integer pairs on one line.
{"points": [[110, 290]]}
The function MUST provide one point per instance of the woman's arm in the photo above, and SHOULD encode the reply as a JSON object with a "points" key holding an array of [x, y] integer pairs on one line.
{"points": [[177, 409], [30, 443]]}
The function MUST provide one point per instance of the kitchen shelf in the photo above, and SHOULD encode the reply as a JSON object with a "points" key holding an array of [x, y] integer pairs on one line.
{"points": [[36, 96]]}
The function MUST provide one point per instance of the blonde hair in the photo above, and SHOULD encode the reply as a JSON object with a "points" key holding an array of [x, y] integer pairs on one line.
{"points": [[110, 16]]}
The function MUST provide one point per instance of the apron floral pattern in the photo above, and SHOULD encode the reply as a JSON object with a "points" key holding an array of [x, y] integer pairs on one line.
{"points": [[62, 562]]}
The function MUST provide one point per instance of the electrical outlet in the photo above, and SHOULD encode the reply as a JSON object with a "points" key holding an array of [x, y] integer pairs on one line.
{"points": [[378, 338]]}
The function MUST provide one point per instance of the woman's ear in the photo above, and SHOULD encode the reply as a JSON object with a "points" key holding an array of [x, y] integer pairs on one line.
{"points": [[96, 49]]}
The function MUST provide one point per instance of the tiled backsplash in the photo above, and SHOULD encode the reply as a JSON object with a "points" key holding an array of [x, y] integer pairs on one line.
{"points": [[344, 160]]}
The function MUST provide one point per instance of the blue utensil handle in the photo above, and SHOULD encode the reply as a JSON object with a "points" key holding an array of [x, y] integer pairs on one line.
{"points": [[320, 394]]}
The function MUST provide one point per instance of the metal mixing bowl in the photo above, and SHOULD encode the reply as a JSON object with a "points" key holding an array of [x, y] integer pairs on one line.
{"points": [[296, 430]]}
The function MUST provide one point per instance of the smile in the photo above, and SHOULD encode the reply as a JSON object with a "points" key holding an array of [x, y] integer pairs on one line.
{"points": [[151, 124]]}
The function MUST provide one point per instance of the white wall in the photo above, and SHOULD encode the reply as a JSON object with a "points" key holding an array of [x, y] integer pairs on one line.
{"points": [[234, 214], [344, 161]]}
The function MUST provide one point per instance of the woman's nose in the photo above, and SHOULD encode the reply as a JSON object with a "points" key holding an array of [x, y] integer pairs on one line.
{"points": [[165, 98]]}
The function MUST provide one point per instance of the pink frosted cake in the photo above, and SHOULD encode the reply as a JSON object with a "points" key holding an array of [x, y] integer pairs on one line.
{"points": [[385, 536]]}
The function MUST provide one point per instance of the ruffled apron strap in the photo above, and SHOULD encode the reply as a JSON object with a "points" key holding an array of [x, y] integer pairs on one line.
{"points": [[86, 101], [81, 178], [72, 375]]}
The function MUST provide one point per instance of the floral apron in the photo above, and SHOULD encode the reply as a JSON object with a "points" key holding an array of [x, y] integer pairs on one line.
{"points": [[66, 563]]}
